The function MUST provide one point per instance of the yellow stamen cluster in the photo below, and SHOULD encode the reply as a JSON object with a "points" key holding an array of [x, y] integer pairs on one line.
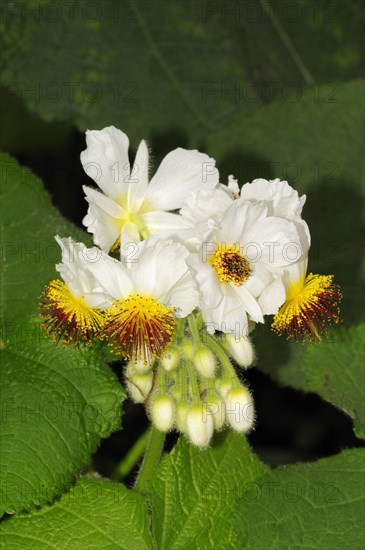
{"points": [[140, 327], [305, 314], [231, 266], [68, 318]]}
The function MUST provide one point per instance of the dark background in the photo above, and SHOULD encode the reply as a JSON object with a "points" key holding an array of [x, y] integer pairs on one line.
{"points": [[206, 75]]}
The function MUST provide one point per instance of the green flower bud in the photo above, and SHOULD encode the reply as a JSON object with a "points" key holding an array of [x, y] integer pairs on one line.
{"points": [[171, 358], [222, 386], [204, 362], [139, 366], [187, 349], [216, 407], [139, 386], [181, 414]]}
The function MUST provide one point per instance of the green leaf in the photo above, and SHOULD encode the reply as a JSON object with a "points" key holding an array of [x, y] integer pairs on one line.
{"points": [[56, 405], [171, 67], [335, 370], [314, 505], [193, 494], [94, 514], [316, 144], [29, 251]]}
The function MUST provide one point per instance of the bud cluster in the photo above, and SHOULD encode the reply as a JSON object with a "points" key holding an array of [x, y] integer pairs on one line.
{"points": [[194, 388]]}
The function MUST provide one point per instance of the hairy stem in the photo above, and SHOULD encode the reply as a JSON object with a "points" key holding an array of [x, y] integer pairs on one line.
{"points": [[151, 459], [128, 462]]}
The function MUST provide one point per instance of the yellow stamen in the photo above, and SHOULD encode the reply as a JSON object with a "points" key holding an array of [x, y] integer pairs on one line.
{"points": [[308, 308], [67, 317], [231, 266], [141, 327]]}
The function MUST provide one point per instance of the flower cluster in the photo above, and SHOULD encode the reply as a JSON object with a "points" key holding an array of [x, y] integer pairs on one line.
{"points": [[182, 269]]}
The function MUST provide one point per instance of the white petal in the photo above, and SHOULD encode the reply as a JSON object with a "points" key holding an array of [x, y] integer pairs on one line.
{"points": [[98, 300], [112, 276], [75, 271], [205, 206], [160, 266], [282, 199], [167, 225], [109, 206], [138, 182], [238, 219], [182, 296], [229, 317], [106, 161], [180, 173], [294, 276], [273, 297], [260, 278], [129, 244], [206, 281], [274, 241], [249, 303], [104, 228]]}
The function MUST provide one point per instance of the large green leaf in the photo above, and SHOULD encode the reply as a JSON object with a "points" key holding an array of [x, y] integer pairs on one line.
{"points": [[94, 514], [56, 405], [193, 494], [29, 251], [318, 505], [316, 144], [335, 370], [164, 66]]}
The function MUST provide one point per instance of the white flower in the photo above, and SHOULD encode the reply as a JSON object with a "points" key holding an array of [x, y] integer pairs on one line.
{"points": [[232, 189], [149, 293], [312, 301], [282, 201], [128, 207], [237, 270], [74, 270], [73, 309]]}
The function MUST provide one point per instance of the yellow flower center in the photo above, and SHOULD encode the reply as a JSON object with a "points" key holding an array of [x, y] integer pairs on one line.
{"points": [[231, 266], [141, 327], [308, 307], [67, 317]]}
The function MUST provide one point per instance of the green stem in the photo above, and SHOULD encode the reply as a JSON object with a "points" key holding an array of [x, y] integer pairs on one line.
{"points": [[151, 459], [223, 358], [128, 462], [179, 335], [193, 382], [194, 329]]}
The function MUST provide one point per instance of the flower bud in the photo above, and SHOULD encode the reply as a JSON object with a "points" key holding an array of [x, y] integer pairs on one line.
{"points": [[241, 350], [163, 412], [187, 349], [204, 362], [199, 425], [222, 386], [181, 414], [240, 411], [139, 366], [139, 386], [216, 407], [171, 358]]}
